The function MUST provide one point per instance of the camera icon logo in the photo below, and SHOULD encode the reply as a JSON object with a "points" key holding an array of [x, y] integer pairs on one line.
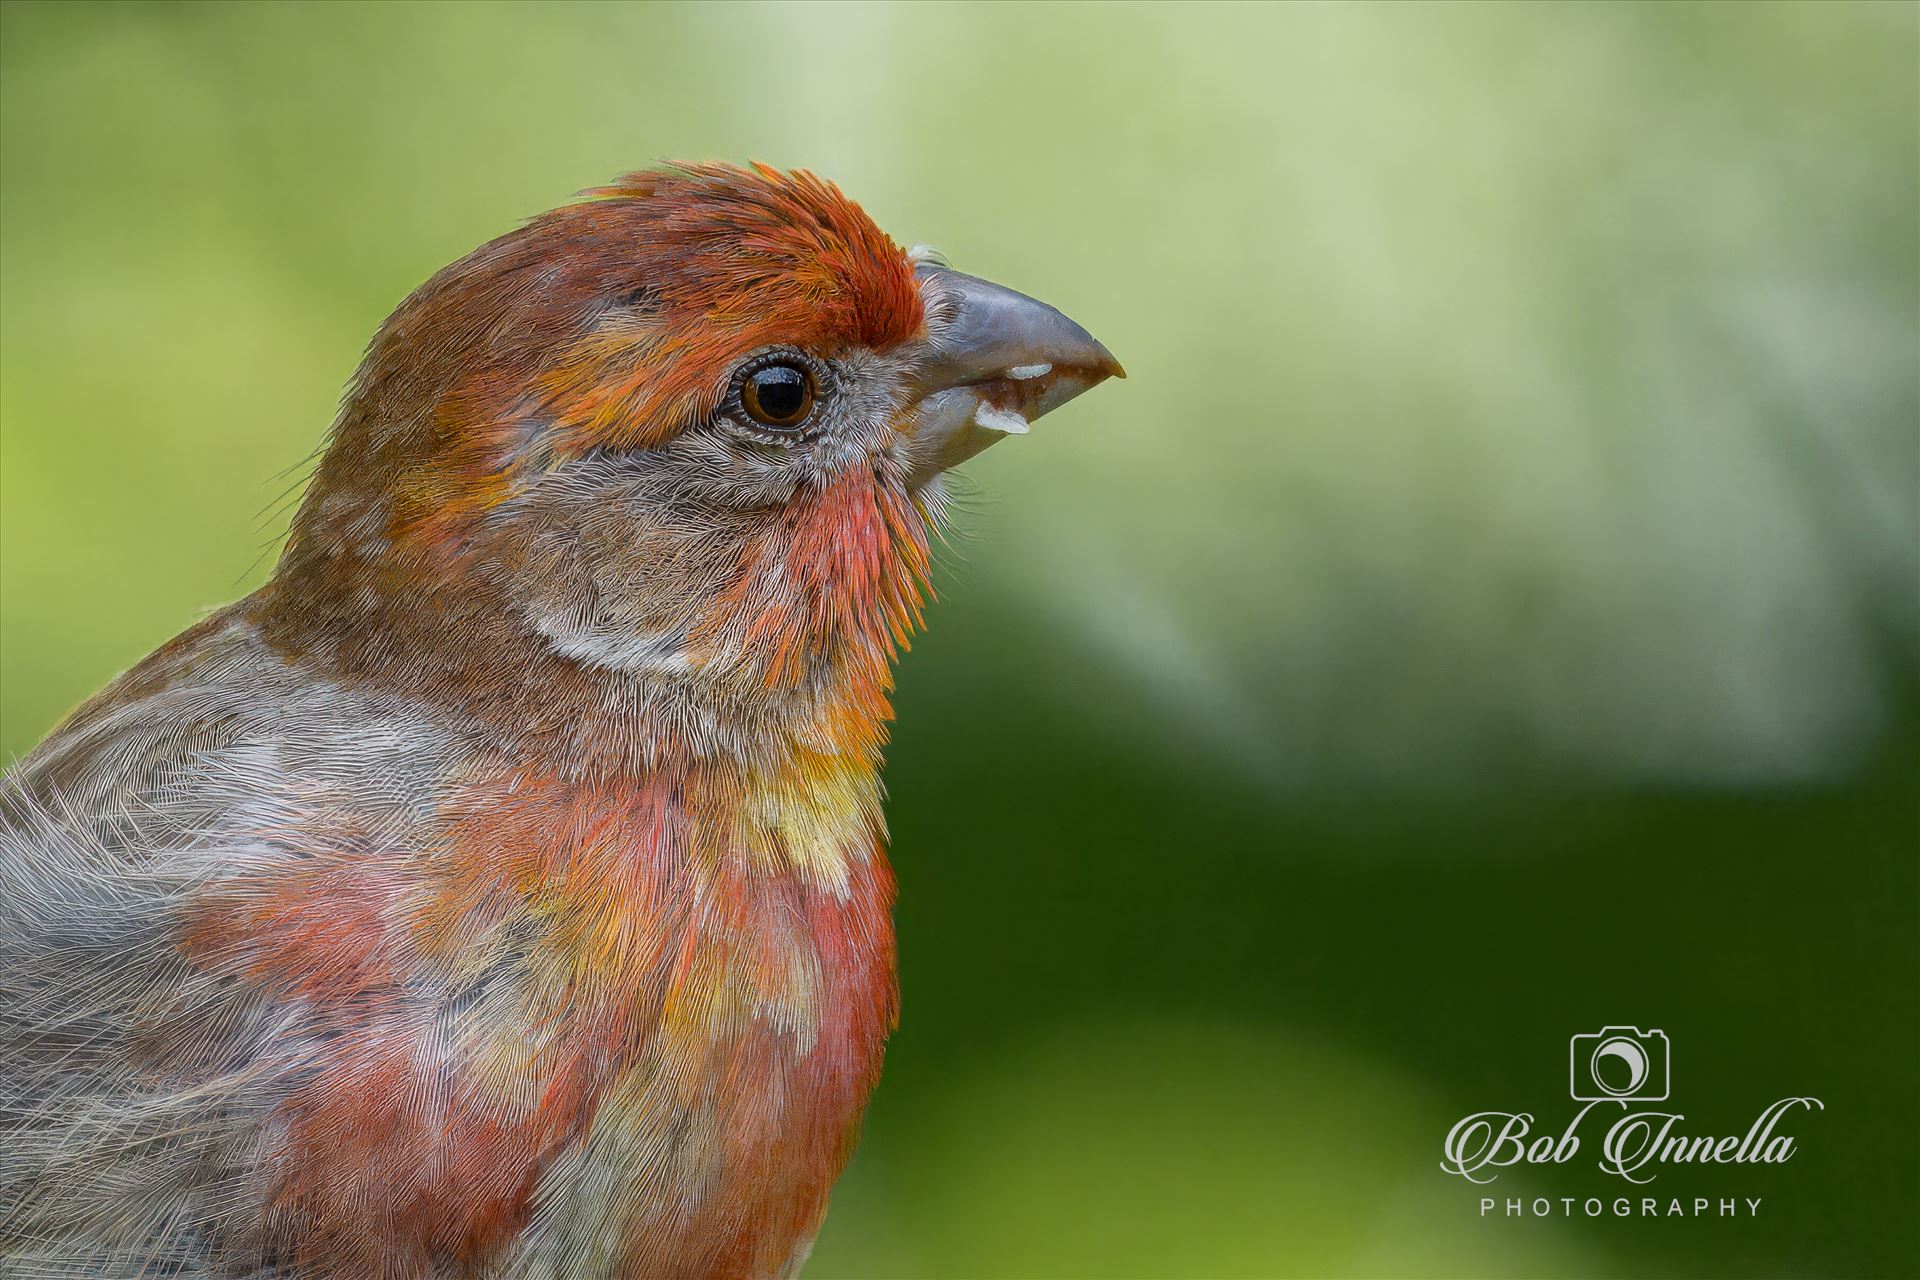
{"points": [[1620, 1064]]}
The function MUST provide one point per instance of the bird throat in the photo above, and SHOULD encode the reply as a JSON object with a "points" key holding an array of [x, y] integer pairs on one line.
{"points": [[777, 638]]}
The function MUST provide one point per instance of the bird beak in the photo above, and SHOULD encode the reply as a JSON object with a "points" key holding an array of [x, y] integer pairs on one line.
{"points": [[992, 361]]}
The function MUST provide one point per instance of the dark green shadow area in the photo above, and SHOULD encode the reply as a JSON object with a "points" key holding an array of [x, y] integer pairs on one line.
{"points": [[1178, 1016]]}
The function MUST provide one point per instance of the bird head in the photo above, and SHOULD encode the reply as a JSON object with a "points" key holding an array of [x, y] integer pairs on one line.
{"points": [[692, 426]]}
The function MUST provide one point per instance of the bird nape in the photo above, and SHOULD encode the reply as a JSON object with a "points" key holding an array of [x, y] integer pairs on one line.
{"points": [[501, 889]]}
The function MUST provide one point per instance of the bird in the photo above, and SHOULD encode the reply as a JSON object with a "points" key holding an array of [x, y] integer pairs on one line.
{"points": [[501, 890]]}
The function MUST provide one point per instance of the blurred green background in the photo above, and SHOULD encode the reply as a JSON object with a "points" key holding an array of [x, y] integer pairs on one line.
{"points": [[1489, 609]]}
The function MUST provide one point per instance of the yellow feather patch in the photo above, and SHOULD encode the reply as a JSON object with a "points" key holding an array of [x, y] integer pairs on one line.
{"points": [[814, 816]]}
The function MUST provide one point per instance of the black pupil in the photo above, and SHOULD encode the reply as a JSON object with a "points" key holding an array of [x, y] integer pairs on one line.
{"points": [[781, 391]]}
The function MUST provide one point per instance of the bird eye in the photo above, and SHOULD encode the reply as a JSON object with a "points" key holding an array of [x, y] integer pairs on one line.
{"points": [[778, 396]]}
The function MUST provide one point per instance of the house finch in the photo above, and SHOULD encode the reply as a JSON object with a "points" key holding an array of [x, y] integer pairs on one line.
{"points": [[500, 890]]}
